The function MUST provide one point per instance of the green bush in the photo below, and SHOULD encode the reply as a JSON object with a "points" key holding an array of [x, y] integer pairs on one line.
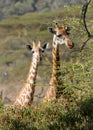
{"points": [[49, 117]]}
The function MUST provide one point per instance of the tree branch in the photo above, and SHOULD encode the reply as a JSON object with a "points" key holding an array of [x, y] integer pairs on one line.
{"points": [[84, 11]]}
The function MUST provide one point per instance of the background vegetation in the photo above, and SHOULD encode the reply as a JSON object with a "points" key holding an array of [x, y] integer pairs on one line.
{"points": [[76, 69], [20, 7]]}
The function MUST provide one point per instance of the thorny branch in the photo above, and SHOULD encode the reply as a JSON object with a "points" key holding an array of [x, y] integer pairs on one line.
{"points": [[84, 11]]}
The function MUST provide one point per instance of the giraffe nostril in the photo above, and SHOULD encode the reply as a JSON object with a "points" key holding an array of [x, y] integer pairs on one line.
{"points": [[39, 59], [72, 44]]}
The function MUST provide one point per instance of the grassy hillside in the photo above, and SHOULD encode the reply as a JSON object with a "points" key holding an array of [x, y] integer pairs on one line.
{"points": [[19, 7], [76, 68]]}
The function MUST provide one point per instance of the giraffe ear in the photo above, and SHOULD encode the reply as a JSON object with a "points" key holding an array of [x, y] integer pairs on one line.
{"points": [[45, 46], [67, 30], [52, 30], [29, 47]]}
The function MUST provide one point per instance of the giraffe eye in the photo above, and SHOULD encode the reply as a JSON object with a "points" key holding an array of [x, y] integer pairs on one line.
{"points": [[42, 50], [59, 35], [32, 51]]}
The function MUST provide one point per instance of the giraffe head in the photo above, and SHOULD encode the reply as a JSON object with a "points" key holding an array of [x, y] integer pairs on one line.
{"points": [[61, 35], [37, 50]]}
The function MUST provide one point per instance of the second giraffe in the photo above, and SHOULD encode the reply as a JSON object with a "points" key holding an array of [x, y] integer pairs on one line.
{"points": [[61, 36]]}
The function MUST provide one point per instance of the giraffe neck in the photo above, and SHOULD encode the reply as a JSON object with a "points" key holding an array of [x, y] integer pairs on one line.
{"points": [[56, 60], [25, 96], [51, 92]]}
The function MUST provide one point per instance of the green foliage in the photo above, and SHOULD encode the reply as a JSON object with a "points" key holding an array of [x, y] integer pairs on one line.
{"points": [[73, 111], [20, 7], [1, 104], [49, 116]]}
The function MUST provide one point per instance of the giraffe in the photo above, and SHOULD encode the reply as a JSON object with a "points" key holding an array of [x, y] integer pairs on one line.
{"points": [[61, 36], [25, 96]]}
